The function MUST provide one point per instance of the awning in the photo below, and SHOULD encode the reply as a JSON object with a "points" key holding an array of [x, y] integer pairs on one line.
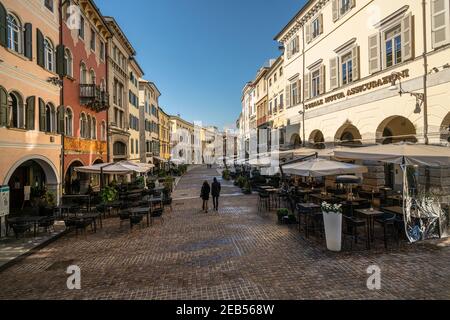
{"points": [[402, 153], [321, 167], [119, 168]]}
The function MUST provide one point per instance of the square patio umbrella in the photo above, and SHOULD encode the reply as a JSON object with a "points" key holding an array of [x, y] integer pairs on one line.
{"points": [[321, 168]]}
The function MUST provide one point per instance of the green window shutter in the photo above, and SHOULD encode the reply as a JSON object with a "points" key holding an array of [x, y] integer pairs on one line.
{"points": [[61, 68], [3, 107], [3, 24], [30, 107], [61, 115], [40, 48], [42, 122], [28, 35]]}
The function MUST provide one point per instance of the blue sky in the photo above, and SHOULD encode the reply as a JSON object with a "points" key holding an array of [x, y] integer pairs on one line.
{"points": [[200, 53]]}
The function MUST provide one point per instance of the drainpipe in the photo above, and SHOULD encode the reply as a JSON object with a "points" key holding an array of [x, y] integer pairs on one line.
{"points": [[61, 95], [425, 75], [303, 76]]}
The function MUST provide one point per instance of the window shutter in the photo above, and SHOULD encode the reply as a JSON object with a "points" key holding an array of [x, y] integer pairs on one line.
{"points": [[335, 9], [322, 79], [40, 48], [3, 107], [289, 50], [334, 76], [321, 23], [30, 107], [352, 3], [61, 117], [297, 44], [306, 84], [42, 122], [28, 35], [440, 22], [3, 29], [308, 32], [408, 37], [374, 53], [61, 67], [299, 86], [355, 63], [288, 96]]}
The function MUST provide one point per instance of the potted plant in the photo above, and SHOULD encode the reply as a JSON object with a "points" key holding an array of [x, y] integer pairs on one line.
{"points": [[226, 175], [332, 218], [108, 194], [281, 213], [247, 189]]}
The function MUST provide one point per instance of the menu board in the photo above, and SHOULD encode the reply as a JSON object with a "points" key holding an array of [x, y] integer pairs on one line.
{"points": [[4, 201]]}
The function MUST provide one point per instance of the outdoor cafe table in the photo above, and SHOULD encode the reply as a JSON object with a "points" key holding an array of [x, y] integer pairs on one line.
{"points": [[315, 208], [89, 216], [353, 199], [31, 219], [397, 210], [322, 197], [370, 215], [141, 211]]}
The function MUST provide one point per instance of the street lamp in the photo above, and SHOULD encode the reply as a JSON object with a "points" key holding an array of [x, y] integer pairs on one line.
{"points": [[420, 97]]}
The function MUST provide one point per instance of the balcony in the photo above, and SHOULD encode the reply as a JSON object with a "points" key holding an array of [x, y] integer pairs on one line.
{"points": [[263, 120], [92, 96]]}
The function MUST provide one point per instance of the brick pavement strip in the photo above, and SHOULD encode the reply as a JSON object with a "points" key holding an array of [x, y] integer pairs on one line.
{"points": [[234, 254]]}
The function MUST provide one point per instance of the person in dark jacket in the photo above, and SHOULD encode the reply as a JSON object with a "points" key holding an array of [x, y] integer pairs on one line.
{"points": [[215, 192], [206, 189]]}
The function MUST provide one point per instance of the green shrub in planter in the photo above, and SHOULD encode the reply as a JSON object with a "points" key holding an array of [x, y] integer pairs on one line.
{"points": [[240, 181], [281, 213], [247, 189], [226, 175]]}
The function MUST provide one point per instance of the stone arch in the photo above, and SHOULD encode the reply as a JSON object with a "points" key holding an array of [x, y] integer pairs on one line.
{"points": [[348, 134], [296, 141], [445, 129], [70, 175], [50, 171], [317, 139], [396, 129]]}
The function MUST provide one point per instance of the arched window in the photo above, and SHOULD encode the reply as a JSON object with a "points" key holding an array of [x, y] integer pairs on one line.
{"points": [[49, 55], [68, 61], [103, 85], [83, 74], [68, 122], [17, 110], [94, 128], [83, 125], [89, 127], [14, 34], [50, 118], [93, 77], [103, 131]]}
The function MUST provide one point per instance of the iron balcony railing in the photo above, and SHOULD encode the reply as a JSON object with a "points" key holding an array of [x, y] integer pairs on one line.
{"points": [[94, 97]]}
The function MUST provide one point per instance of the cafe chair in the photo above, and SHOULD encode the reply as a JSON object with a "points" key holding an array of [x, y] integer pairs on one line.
{"points": [[387, 221], [263, 201], [124, 216], [47, 224], [155, 214], [135, 220], [20, 228]]}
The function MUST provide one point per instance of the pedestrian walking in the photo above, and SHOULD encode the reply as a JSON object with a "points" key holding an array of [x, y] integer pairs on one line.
{"points": [[206, 189], [215, 192]]}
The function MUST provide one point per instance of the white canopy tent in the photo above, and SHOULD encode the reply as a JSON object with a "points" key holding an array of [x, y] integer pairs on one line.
{"points": [[321, 167], [402, 153]]}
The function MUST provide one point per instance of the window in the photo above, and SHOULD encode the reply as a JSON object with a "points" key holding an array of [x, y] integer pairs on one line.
{"points": [[68, 61], [83, 125], [68, 122], [270, 107], [83, 73], [281, 102], [275, 78], [49, 57], [294, 93], [115, 53], [293, 47], [275, 105], [89, 128], [270, 82], [93, 39], [281, 71], [347, 69], [17, 110], [315, 83], [50, 118], [103, 131], [440, 22], [132, 146], [14, 34], [137, 146], [316, 28], [345, 6], [49, 4], [102, 50], [94, 128], [393, 46], [119, 149], [81, 30], [92, 76]]}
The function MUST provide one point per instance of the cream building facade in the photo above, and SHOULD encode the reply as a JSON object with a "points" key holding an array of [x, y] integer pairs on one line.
{"points": [[182, 139], [134, 107], [120, 51], [164, 134], [30, 140]]}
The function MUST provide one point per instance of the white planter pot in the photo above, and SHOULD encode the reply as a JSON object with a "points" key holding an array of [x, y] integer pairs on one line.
{"points": [[333, 230]]}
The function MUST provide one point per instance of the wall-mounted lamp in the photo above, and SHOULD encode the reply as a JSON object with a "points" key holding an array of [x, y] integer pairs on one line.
{"points": [[420, 97]]}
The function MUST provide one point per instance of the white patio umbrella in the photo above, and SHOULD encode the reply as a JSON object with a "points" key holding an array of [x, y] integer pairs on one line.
{"points": [[106, 168], [321, 167], [400, 153]]}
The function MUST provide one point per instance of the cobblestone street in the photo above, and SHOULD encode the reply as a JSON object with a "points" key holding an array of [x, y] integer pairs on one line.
{"points": [[234, 254]]}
